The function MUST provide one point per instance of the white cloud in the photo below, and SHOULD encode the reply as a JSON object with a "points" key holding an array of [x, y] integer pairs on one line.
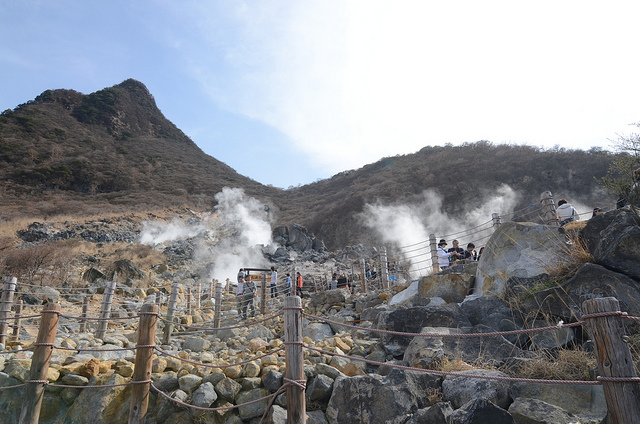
{"points": [[352, 81]]}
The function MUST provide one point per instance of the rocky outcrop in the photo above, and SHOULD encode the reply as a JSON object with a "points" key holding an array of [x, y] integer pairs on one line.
{"points": [[520, 250]]}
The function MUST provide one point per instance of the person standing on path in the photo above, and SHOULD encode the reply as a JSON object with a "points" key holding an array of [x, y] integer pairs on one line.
{"points": [[299, 284]]}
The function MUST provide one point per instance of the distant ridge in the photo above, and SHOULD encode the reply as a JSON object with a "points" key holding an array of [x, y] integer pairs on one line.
{"points": [[113, 150]]}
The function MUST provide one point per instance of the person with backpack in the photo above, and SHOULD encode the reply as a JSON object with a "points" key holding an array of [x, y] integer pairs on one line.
{"points": [[247, 298]]}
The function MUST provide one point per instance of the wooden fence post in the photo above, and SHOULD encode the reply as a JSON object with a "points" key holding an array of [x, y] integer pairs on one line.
{"points": [[497, 220], [549, 209], [198, 295], [6, 301], [15, 334], [171, 309], [363, 280], [296, 407], [263, 304], [105, 310], [85, 313], [159, 299], [189, 305], [434, 253], [383, 267], [34, 392], [614, 360], [143, 364], [218, 306]]}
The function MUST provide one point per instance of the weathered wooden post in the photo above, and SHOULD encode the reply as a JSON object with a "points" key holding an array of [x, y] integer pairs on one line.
{"points": [[85, 313], [189, 306], [263, 303], [363, 280], [158, 300], [143, 363], [16, 322], [384, 269], [549, 209], [218, 306], [105, 310], [198, 295], [296, 408], [614, 360], [6, 301], [34, 391], [434, 253], [497, 220], [171, 310]]}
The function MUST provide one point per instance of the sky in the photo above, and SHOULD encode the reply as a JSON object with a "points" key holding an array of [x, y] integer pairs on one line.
{"points": [[290, 92]]}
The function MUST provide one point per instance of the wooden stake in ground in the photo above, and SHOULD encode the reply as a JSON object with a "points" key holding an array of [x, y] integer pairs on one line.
{"points": [[85, 312], [16, 321], [218, 306], [171, 308], [5, 306], [143, 364], [34, 392], [434, 253], [614, 360], [296, 407], [105, 311]]}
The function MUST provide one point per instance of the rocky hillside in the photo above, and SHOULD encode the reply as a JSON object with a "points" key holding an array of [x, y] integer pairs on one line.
{"points": [[66, 153]]}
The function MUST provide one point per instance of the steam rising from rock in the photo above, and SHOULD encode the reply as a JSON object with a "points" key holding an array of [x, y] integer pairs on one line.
{"points": [[408, 226], [227, 240]]}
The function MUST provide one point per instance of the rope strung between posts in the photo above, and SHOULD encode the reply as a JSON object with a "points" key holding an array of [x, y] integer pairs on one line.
{"points": [[217, 366], [198, 328], [459, 374], [463, 335]]}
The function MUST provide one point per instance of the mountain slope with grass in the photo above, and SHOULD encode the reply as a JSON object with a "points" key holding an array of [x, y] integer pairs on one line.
{"points": [[67, 153]]}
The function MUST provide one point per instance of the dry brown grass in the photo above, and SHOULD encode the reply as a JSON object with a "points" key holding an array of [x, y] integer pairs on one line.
{"points": [[577, 254], [568, 364]]}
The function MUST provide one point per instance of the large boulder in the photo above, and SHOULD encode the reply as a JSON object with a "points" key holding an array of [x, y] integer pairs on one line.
{"points": [[481, 411], [521, 250], [380, 399], [452, 287], [587, 402], [459, 390], [412, 320], [329, 298], [617, 245], [591, 281], [535, 411], [99, 405], [423, 351]]}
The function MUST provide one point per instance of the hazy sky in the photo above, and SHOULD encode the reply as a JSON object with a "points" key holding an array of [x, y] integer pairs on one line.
{"points": [[287, 92]]}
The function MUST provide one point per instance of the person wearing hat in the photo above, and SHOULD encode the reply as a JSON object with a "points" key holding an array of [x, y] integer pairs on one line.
{"points": [[443, 255]]}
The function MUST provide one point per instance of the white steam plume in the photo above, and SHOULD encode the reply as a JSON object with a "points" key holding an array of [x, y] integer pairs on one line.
{"points": [[229, 239], [408, 226]]}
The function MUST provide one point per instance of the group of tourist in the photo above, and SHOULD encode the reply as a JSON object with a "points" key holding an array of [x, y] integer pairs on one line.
{"points": [[246, 290], [456, 254]]}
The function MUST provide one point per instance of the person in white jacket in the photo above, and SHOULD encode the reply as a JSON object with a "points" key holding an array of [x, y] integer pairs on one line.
{"points": [[566, 213], [443, 255]]}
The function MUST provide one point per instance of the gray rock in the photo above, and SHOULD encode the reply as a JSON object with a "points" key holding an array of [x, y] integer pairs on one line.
{"points": [[520, 250], [452, 287], [412, 320], [533, 411], [316, 417], [481, 411], [204, 395], [272, 380], [329, 298], [460, 390], [278, 415], [196, 344], [329, 371], [440, 413], [254, 409], [189, 382], [375, 399], [317, 331], [228, 389], [591, 281], [582, 401], [320, 388]]}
